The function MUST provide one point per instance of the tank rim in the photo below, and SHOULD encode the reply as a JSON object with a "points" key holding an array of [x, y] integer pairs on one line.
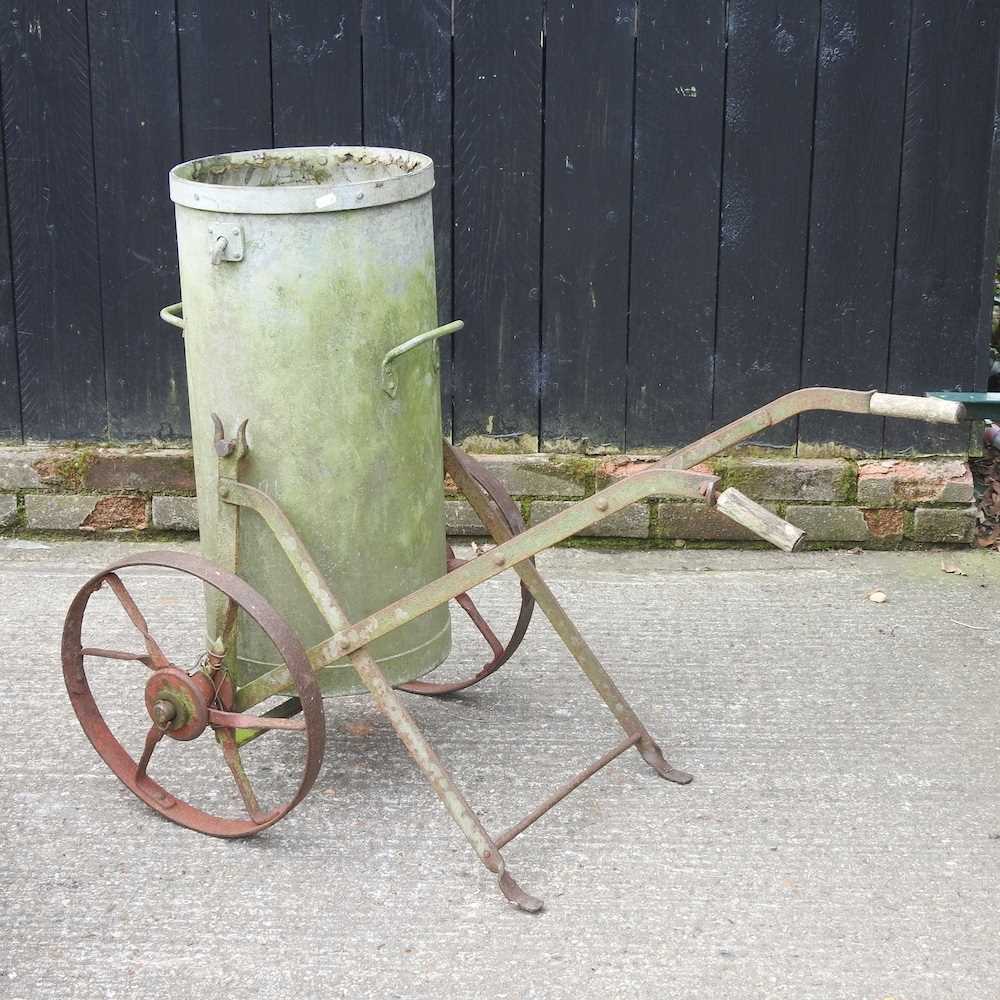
{"points": [[301, 179]]}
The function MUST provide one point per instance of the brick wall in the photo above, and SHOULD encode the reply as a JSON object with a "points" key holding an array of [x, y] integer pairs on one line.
{"points": [[878, 503]]}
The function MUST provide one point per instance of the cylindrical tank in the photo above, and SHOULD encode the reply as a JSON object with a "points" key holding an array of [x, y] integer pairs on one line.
{"points": [[300, 269]]}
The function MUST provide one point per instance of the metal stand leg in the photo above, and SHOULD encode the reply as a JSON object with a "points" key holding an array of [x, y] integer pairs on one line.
{"points": [[426, 758], [597, 675], [388, 701], [563, 624]]}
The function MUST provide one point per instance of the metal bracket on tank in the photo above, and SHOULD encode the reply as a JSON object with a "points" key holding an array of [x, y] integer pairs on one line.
{"points": [[227, 243], [232, 448]]}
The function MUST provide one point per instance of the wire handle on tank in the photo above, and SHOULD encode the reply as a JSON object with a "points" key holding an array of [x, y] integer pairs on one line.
{"points": [[389, 382]]}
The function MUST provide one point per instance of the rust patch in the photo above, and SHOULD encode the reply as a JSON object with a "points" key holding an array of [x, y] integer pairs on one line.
{"points": [[884, 522], [117, 514]]}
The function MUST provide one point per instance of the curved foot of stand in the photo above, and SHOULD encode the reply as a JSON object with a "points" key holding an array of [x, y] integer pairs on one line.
{"points": [[521, 899], [655, 759]]}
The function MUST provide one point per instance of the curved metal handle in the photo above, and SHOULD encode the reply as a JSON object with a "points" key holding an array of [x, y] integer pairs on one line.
{"points": [[389, 383], [174, 315]]}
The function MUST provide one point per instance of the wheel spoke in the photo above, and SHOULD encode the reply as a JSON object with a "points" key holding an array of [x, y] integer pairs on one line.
{"points": [[227, 740], [137, 619], [229, 621], [117, 654], [153, 737], [468, 606], [236, 720]]}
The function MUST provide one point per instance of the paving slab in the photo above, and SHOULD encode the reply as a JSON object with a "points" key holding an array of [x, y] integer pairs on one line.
{"points": [[841, 838]]}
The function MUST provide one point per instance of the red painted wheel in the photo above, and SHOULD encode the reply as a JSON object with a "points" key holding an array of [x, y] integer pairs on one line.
{"points": [[502, 651], [181, 703]]}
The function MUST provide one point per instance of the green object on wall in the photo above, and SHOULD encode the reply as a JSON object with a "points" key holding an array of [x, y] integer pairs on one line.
{"points": [[978, 405]]}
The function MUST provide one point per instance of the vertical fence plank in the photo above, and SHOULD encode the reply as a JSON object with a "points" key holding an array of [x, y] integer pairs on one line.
{"points": [[991, 247], [498, 160], [133, 69], [938, 333], [408, 104], [855, 196], [225, 76], [10, 393], [589, 78], [50, 181], [680, 76], [765, 209], [316, 72]]}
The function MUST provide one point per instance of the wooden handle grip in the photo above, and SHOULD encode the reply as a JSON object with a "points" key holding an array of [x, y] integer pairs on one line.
{"points": [[936, 411], [760, 520]]}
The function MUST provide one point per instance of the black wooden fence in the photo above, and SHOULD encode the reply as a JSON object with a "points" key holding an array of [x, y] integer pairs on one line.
{"points": [[652, 216]]}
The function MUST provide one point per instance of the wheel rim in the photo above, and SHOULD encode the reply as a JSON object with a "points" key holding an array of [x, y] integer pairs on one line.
{"points": [[502, 652]]}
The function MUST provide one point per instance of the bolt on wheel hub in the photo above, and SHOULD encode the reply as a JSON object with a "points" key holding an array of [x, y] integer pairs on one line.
{"points": [[163, 713]]}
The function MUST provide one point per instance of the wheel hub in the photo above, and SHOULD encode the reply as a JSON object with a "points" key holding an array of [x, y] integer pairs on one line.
{"points": [[178, 702]]}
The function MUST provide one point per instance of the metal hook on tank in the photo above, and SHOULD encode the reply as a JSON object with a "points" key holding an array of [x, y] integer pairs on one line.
{"points": [[219, 249]]}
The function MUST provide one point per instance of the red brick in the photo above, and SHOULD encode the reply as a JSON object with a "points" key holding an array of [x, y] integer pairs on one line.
{"points": [[906, 483], [885, 522], [614, 470], [117, 513]]}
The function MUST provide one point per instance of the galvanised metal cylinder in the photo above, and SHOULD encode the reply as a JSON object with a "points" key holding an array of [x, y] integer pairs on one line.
{"points": [[300, 269]]}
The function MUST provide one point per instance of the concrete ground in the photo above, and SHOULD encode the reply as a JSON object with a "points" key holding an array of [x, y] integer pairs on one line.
{"points": [[841, 838]]}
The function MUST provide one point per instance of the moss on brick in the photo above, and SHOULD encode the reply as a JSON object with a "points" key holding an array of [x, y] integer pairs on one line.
{"points": [[848, 483], [11, 513], [578, 446], [67, 471], [828, 449], [943, 525], [629, 522], [485, 444], [805, 480], [579, 468]]}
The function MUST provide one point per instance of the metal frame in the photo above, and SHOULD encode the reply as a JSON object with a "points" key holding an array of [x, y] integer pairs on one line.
{"points": [[514, 551], [183, 704]]}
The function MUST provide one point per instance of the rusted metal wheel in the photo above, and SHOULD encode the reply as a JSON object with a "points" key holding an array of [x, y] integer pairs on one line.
{"points": [[502, 652], [182, 703]]}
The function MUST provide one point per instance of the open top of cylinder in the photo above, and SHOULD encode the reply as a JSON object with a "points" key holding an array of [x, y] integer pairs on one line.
{"points": [[301, 179]]}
